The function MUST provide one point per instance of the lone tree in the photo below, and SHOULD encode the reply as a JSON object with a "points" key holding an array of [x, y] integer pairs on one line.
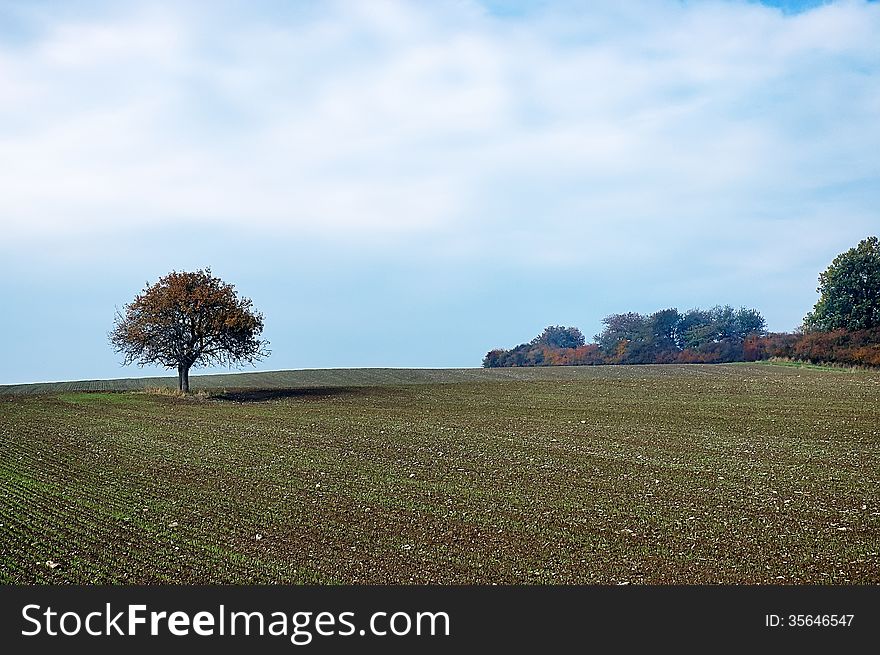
{"points": [[850, 291], [188, 319]]}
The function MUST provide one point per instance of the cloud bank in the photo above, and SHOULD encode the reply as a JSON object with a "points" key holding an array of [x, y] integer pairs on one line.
{"points": [[392, 117]]}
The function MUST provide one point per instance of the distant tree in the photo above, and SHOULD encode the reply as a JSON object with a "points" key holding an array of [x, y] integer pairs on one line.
{"points": [[494, 358], [723, 323], [729, 324], [694, 329], [188, 319], [631, 327], [749, 322], [700, 328], [558, 336], [849, 291], [662, 333]]}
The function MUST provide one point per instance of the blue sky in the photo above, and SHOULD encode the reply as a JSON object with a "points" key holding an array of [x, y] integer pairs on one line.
{"points": [[412, 184]]}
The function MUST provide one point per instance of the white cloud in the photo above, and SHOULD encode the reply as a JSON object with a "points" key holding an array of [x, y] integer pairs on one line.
{"points": [[646, 123]]}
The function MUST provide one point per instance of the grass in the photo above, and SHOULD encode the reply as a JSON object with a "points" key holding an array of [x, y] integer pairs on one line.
{"points": [[309, 378], [745, 474], [794, 363]]}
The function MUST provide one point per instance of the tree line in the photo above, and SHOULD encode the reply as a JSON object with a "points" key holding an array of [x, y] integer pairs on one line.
{"points": [[842, 328], [667, 336]]}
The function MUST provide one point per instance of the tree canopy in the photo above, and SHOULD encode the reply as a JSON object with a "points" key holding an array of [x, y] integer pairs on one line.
{"points": [[849, 291], [188, 319], [714, 334], [558, 336]]}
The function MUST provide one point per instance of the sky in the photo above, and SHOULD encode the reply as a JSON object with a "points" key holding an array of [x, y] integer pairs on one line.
{"points": [[412, 184]]}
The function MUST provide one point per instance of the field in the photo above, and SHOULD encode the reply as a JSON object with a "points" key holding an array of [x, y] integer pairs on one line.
{"points": [[618, 474]]}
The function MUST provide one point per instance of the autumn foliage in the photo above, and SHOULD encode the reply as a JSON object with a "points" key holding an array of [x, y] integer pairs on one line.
{"points": [[188, 319]]}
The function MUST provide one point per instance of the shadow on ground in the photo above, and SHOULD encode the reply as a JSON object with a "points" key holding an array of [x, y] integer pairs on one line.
{"points": [[263, 395]]}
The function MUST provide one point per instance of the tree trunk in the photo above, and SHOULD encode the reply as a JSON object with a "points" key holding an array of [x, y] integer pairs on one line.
{"points": [[183, 378]]}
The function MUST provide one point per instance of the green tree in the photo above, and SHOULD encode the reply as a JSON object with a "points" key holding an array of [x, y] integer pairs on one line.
{"points": [[661, 333], [695, 328], [631, 327], [559, 336], [749, 322], [849, 291]]}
